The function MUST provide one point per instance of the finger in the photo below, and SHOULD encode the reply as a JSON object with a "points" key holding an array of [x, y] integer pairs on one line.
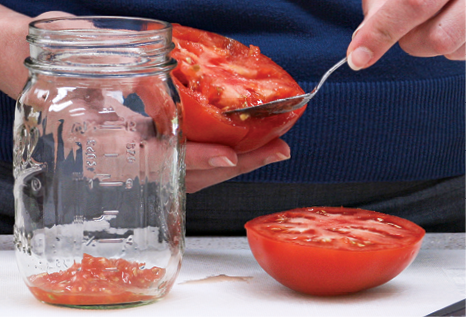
{"points": [[393, 20], [458, 55], [443, 34], [274, 151], [369, 7], [52, 14], [201, 156], [14, 49]]}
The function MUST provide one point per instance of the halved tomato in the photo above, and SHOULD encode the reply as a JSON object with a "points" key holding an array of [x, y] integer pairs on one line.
{"points": [[333, 250], [215, 74]]}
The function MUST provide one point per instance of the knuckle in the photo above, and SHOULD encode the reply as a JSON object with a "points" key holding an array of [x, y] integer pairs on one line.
{"points": [[442, 41], [458, 55], [380, 31], [418, 6], [383, 35], [408, 47]]}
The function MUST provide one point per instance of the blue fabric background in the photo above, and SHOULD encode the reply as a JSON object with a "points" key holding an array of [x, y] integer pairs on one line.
{"points": [[400, 120]]}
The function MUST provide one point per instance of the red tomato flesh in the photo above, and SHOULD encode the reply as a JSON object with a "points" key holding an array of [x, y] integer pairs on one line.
{"points": [[96, 281], [215, 74], [333, 250]]}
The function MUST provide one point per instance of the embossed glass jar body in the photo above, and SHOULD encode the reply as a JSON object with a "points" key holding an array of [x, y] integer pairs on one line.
{"points": [[99, 163]]}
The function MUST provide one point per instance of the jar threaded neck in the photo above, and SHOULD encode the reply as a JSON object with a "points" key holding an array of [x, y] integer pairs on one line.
{"points": [[100, 46]]}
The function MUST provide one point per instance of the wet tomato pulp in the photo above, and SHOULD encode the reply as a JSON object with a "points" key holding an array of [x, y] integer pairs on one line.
{"points": [[215, 74], [333, 250], [97, 281]]}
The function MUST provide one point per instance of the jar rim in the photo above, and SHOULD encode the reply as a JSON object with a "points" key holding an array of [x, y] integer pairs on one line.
{"points": [[116, 44], [34, 25], [96, 31]]}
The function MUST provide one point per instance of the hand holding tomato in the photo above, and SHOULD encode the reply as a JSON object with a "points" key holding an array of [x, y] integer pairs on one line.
{"points": [[216, 74], [209, 164]]}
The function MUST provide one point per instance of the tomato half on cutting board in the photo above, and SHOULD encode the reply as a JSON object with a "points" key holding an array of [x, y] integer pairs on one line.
{"points": [[215, 74], [333, 250]]}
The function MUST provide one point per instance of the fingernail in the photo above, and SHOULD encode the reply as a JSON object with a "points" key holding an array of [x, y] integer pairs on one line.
{"points": [[221, 161], [357, 29], [277, 157], [359, 58]]}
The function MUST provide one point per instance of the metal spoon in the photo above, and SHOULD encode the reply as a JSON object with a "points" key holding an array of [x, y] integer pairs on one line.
{"points": [[286, 104]]}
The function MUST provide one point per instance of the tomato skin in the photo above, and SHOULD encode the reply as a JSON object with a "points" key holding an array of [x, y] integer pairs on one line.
{"points": [[263, 130], [325, 271], [204, 121]]}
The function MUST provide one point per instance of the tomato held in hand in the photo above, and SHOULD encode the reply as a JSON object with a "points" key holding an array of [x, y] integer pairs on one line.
{"points": [[333, 250], [215, 74]]}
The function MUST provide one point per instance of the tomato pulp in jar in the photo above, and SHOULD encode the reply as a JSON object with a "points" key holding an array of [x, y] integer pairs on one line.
{"points": [[97, 281]]}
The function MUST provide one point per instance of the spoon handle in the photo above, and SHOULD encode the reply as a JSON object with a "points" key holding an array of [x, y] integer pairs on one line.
{"points": [[326, 75]]}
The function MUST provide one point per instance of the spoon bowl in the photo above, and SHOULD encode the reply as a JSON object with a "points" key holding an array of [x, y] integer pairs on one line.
{"points": [[286, 104]]}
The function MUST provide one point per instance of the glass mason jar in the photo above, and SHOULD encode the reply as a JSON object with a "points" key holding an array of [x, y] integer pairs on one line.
{"points": [[99, 163]]}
